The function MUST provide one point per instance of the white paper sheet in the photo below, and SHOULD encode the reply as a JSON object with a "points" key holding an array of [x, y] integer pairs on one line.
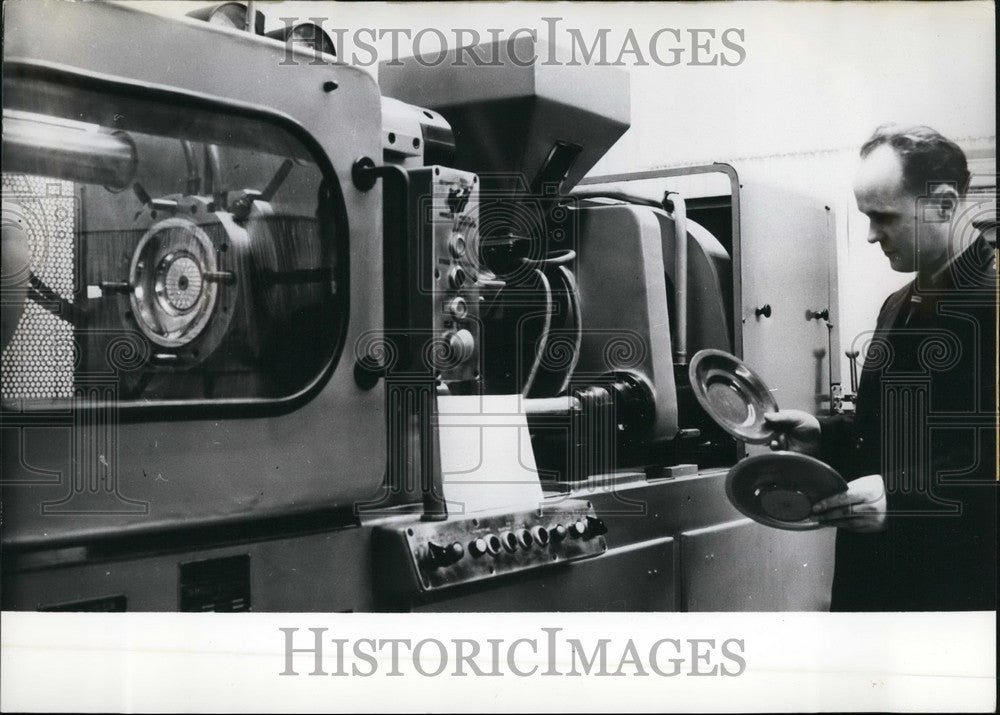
{"points": [[486, 458]]}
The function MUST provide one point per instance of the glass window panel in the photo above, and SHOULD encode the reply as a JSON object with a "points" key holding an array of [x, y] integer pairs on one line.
{"points": [[176, 253]]}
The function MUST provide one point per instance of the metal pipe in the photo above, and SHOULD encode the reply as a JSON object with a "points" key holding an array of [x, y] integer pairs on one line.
{"points": [[193, 171], [213, 173], [248, 23], [616, 195], [551, 405], [543, 339], [47, 146], [680, 277]]}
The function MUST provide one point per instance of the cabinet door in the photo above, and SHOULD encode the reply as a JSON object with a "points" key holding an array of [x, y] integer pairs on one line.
{"points": [[743, 566], [787, 246]]}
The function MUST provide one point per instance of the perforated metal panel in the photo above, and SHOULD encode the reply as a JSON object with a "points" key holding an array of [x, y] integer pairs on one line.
{"points": [[38, 362]]}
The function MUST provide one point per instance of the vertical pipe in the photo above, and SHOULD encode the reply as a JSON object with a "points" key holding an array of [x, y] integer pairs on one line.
{"points": [[249, 24], [680, 277], [213, 175], [193, 172]]}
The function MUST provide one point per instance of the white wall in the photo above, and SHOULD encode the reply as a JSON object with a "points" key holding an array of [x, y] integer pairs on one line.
{"points": [[817, 77]]}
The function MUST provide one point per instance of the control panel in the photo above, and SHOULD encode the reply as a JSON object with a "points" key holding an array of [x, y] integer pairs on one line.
{"points": [[447, 290], [427, 556]]}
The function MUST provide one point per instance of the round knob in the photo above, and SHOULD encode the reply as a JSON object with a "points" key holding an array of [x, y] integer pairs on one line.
{"points": [[541, 535], [764, 310], [456, 278], [577, 529], [558, 533], [456, 245], [458, 308], [524, 538], [493, 544], [478, 547], [509, 541], [461, 344], [819, 314]]}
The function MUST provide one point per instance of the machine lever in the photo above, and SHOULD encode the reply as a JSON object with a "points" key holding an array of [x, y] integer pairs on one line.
{"points": [[116, 288], [140, 193], [47, 298], [445, 555], [224, 277], [243, 203], [277, 180]]}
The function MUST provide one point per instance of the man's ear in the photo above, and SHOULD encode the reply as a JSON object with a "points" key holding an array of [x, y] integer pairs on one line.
{"points": [[945, 200]]}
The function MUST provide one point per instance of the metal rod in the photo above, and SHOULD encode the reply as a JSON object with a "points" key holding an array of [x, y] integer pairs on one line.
{"points": [[213, 173], [47, 146], [551, 405], [193, 170], [249, 24], [680, 278]]}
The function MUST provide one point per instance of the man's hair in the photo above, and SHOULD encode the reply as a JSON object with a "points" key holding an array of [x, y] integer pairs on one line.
{"points": [[929, 159]]}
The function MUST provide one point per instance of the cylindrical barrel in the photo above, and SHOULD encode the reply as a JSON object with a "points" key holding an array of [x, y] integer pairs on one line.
{"points": [[47, 146], [551, 405]]}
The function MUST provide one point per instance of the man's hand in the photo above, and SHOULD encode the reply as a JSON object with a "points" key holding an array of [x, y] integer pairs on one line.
{"points": [[861, 508], [797, 431]]}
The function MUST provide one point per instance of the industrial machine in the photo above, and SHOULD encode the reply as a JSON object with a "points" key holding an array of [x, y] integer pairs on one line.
{"points": [[279, 337]]}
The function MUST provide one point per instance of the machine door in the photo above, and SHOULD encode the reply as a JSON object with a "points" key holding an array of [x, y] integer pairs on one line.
{"points": [[190, 277], [787, 245]]}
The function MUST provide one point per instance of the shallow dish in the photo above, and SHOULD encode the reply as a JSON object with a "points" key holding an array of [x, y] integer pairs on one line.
{"points": [[732, 394], [779, 489]]}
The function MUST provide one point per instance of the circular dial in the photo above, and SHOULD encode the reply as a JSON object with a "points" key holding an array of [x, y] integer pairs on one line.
{"points": [[171, 300], [178, 282]]}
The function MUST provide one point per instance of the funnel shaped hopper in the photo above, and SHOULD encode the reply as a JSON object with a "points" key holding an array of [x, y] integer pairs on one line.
{"points": [[521, 120]]}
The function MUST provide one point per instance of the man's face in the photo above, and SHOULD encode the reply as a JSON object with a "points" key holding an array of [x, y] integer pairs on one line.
{"points": [[892, 213]]}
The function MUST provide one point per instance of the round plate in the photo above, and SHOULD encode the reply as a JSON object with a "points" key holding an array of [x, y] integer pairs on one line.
{"points": [[779, 489], [732, 394]]}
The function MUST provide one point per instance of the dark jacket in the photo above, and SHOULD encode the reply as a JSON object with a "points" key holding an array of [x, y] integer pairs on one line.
{"points": [[926, 421]]}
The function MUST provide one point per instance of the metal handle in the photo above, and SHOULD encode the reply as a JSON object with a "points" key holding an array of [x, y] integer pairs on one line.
{"points": [[396, 251], [852, 355], [764, 310]]}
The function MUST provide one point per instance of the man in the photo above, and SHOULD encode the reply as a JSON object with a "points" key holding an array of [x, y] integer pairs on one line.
{"points": [[917, 524]]}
